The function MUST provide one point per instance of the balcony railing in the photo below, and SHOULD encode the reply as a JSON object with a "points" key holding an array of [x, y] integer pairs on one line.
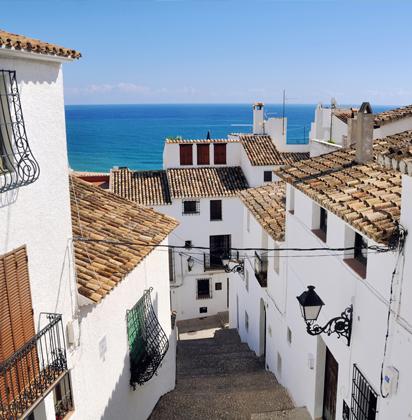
{"points": [[261, 270], [212, 262], [27, 376]]}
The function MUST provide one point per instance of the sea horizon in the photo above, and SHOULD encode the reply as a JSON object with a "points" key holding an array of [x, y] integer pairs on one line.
{"points": [[101, 136]]}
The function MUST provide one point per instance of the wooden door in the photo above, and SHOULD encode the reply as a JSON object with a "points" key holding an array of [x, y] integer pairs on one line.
{"points": [[330, 387]]}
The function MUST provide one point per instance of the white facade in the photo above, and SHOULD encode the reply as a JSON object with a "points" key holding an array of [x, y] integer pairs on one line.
{"points": [[39, 216], [198, 228], [297, 358], [101, 368]]}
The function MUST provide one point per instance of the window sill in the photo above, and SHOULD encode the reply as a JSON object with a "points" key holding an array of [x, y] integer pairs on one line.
{"points": [[320, 234], [191, 214], [216, 220], [356, 266]]}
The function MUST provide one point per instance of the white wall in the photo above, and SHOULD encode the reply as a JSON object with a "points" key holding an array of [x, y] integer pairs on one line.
{"points": [[101, 380], [38, 215], [171, 155], [198, 228], [393, 127]]}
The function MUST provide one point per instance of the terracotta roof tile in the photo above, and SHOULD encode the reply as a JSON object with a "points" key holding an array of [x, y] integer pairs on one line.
{"points": [[393, 115], [367, 196], [191, 141], [267, 204], [99, 214], [206, 182], [21, 42], [262, 152], [149, 188]]}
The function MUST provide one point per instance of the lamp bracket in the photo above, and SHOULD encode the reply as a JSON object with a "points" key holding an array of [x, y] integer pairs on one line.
{"points": [[341, 325]]}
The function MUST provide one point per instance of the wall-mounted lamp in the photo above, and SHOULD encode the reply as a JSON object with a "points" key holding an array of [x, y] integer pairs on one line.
{"points": [[311, 305], [190, 263], [238, 268]]}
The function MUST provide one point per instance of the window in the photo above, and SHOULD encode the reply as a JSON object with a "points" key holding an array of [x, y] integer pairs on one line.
{"points": [[18, 167], [218, 286], [321, 222], [219, 246], [186, 154], [203, 154], [364, 398], [63, 401], [203, 289], [267, 176], [219, 153], [289, 336], [191, 207], [203, 310], [171, 265], [215, 209], [246, 321], [359, 259], [361, 249]]}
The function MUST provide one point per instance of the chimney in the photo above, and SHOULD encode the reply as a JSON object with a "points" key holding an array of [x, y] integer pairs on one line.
{"points": [[258, 118], [360, 133]]}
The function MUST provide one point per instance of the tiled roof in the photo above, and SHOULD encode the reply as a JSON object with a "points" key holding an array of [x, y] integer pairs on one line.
{"points": [[21, 42], [267, 204], [344, 114], [149, 188], [99, 214], [393, 115], [193, 141], [367, 196], [206, 182], [395, 152], [262, 152], [100, 179]]}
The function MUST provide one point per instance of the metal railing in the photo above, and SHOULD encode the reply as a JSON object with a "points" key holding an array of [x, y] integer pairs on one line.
{"points": [[31, 371], [261, 270], [214, 262], [18, 166]]}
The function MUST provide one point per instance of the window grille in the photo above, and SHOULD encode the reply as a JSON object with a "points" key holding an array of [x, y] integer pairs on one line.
{"points": [[18, 167], [148, 343], [364, 398]]}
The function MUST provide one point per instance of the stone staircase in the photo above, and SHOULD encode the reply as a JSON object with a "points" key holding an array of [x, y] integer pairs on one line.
{"points": [[221, 378]]}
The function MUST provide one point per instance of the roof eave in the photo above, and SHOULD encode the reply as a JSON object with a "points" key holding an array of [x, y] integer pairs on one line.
{"points": [[15, 53]]}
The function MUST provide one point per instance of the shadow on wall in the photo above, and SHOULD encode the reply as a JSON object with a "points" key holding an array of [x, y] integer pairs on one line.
{"points": [[125, 404]]}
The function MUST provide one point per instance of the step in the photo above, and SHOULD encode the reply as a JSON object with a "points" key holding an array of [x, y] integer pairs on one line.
{"points": [[224, 366], [239, 405], [217, 359], [292, 414], [233, 382], [197, 349]]}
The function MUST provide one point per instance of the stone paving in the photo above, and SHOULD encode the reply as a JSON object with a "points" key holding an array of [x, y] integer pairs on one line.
{"points": [[219, 377]]}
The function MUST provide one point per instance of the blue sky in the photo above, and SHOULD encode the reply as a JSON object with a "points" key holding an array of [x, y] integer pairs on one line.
{"points": [[226, 51]]}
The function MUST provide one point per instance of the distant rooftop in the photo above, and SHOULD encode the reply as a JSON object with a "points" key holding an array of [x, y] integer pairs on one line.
{"points": [[24, 43], [262, 152]]}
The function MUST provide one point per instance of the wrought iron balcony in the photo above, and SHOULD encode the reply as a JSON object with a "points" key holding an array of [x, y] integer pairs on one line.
{"points": [[28, 375], [261, 270], [212, 262]]}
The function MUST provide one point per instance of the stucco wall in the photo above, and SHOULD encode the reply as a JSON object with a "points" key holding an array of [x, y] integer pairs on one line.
{"points": [[101, 371], [198, 228], [38, 215]]}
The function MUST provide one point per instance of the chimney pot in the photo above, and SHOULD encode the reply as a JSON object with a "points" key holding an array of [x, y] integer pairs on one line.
{"points": [[360, 132]]}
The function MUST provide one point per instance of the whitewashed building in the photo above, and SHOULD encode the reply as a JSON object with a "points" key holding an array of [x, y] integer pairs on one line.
{"points": [[73, 309], [199, 186], [341, 209], [330, 129]]}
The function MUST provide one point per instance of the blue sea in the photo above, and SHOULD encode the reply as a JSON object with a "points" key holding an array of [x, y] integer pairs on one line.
{"points": [[102, 136]]}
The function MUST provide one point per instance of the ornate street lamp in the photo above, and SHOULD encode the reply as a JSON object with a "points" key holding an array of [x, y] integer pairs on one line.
{"points": [[311, 305], [238, 268]]}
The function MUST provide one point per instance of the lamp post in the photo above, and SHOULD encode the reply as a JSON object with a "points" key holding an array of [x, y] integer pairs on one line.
{"points": [[311, 305], [238, 268]]}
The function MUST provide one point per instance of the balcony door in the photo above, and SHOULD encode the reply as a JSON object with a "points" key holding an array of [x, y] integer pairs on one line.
{"points": [[330, 387], [219, 246]]}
